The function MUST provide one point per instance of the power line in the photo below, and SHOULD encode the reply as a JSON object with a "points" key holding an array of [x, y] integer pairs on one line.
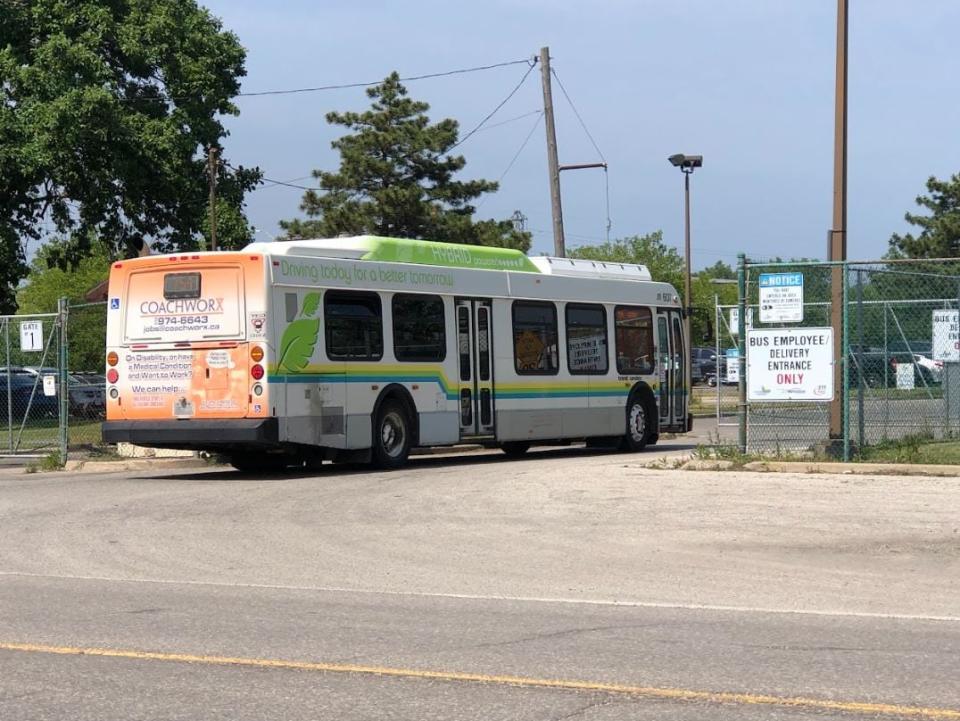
{"points": [[606, 174], [511, 120], [536, 124], [345, 86], [532, 64], [577, 113]]}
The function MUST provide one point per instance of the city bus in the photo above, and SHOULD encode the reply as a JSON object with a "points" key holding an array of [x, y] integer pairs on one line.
{"points": [[363, 348]]}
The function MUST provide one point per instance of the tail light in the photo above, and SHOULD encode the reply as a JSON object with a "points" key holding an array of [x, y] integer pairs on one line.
{"points": [[256, 371], [112, 358], [256, 354], [112, 375]]}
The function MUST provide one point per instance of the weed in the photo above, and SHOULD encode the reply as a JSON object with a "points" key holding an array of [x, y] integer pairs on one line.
{"points": [[50, 462]]}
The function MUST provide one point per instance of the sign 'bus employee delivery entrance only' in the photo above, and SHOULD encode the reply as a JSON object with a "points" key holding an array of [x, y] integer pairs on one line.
{"points": [[790, 364]]}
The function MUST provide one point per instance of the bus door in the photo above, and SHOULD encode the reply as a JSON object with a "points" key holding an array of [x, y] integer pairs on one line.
{"points": [[475, 367], [671, 365]]}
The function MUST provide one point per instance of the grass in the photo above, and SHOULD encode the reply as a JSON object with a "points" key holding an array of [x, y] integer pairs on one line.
{"points": [[913, 449], [46, 434]]}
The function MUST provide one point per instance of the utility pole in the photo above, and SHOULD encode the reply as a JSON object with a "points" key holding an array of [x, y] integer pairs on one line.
{"points": [[212, 171], [838, 231], [554, 164]]}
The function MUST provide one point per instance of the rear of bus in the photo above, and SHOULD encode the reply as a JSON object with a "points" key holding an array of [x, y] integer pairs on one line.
{"points": [[187, 352]]}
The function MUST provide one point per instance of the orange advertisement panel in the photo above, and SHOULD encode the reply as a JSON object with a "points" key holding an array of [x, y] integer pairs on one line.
{"points": [[198, 383]]}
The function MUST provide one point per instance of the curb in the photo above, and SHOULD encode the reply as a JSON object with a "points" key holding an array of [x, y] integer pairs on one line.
{"points": [[144, 464], [878, 469], [834, 468]]}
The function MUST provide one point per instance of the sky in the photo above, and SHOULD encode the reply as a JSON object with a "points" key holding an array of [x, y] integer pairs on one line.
{"points": [[748, 84]]}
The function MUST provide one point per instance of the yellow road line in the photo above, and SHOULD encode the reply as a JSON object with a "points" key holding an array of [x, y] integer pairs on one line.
{"points": [[673, 694]]}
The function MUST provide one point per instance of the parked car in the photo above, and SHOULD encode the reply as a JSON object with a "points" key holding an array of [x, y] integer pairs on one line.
{"points": [[879, 369], [25, 397], [87, 392], [704, 366]]}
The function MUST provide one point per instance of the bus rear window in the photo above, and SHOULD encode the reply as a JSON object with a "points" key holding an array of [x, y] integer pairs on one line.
{"points": [[181, 285], [183, 306]]}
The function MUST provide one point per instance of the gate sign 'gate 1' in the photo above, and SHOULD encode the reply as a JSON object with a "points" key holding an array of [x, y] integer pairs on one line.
{"points": [[31, 335], [781, 297], [946, 336], [790, 364]]}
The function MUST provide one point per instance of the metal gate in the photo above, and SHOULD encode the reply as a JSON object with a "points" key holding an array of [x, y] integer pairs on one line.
{"points": [[33, 384]]}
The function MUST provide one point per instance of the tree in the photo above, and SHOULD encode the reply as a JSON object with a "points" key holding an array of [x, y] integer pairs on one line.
{"points": [[940, 230], [47, 283], [107, 108], [396, 179], [664, 262]]}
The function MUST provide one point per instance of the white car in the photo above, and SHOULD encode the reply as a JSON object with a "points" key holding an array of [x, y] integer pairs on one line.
{"points": [[934, 366]]}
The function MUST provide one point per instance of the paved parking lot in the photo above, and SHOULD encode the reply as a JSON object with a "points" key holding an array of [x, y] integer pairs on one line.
{"points": [[566, 584]]}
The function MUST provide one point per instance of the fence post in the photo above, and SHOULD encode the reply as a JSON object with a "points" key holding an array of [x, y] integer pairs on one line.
{"points": [[6, 329], [861, 350], [845, 362], [63, 309], [741, 352]]}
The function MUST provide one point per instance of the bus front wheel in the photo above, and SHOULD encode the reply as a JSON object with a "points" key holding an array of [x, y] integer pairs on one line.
{"points": [[391, 435], [638, 425]]}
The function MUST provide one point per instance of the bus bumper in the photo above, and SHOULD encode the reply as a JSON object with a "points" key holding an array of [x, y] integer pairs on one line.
{"points": [[199, 434]]}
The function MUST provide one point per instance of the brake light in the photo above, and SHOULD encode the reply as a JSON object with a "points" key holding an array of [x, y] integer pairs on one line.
{"points": [[112, 375], [112, 358], [256, 371], [256, 353]]}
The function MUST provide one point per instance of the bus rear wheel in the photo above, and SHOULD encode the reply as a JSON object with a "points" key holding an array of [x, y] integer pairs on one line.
{"points": [[638, 425], [391, 436], [515, 449], [251, 462]]}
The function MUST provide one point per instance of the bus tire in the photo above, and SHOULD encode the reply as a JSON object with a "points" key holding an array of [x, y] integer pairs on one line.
{"points": [[252, 462], [392, 435], [515, 449], [638, 424]]}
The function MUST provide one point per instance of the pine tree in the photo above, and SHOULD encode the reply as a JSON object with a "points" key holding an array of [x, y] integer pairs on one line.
{"points": [[397, 179], [940, 231]]}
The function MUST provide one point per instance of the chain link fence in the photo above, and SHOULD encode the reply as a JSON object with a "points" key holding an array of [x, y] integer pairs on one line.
{"points": [[52, 388], [898, 370]]}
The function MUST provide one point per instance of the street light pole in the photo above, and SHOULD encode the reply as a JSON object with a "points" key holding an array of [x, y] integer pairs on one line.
{"points": [[687, 164]]}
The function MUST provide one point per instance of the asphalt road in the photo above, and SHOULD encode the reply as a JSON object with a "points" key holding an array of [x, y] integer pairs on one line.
{"points": [[569, 585]]}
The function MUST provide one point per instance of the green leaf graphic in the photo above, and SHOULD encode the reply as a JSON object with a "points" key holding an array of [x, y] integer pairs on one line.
{"points": [[311, 301], [298, 342]]}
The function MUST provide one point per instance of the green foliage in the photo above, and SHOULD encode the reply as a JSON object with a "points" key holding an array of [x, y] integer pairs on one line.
{"points": [[47, 282], [664, 262], [106, 109], [396, 179], [940, 230]]}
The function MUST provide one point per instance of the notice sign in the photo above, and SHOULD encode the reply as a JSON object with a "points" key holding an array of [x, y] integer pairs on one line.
{"points": [[946, 336], [781, 297], [790, 364], [733, 365]]}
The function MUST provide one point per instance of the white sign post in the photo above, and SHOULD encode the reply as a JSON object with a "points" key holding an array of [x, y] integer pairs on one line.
{"points": [[790, 364], [31, 335], [781, 297], [946, 335]]}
